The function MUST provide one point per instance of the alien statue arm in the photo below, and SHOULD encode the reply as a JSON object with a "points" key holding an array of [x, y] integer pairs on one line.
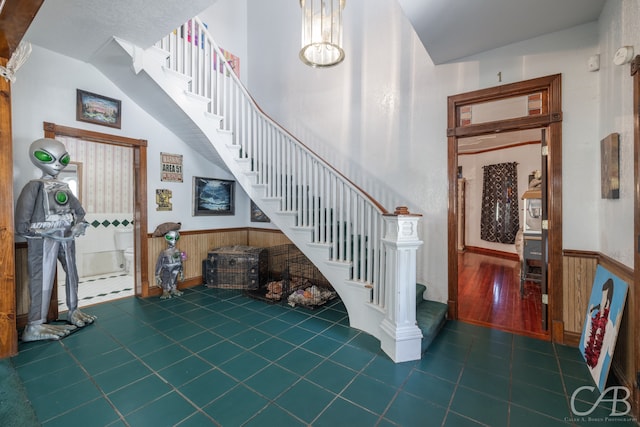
{"points": [[79, 224], [26, 213]]}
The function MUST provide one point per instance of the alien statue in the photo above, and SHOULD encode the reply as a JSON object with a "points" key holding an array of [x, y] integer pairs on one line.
{"points": [[169, 266], [50, 217]]}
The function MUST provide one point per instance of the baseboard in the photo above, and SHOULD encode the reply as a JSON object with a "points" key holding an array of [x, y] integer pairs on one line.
{"points": [[492, 252], [572, 339]]}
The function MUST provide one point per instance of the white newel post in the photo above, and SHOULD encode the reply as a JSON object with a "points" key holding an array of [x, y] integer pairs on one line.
{"points": [[401, 337]]}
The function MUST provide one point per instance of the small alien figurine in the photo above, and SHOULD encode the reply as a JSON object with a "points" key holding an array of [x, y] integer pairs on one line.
{"points": [[50, 217], [169, 266]]}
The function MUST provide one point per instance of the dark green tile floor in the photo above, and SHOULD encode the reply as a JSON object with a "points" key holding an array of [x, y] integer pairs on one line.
{"points": [[217, 357]]}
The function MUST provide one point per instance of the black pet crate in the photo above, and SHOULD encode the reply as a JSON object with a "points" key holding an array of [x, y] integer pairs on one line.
{"points": [[235, 267]]}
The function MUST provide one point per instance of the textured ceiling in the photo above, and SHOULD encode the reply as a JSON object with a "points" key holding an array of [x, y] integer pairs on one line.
{"points": [[449, 29], [78, 28]]}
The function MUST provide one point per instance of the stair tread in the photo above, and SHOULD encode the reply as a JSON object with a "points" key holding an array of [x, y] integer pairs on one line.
{"points": [[420, 288], [430, 311], [430, 317]]}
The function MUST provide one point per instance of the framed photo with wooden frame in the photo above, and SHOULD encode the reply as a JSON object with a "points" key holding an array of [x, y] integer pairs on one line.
{"points": [[610, 166], [98, 109], [213, 196]]}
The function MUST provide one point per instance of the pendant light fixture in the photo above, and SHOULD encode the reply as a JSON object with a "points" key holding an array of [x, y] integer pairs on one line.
{"points": [[322, 32]]}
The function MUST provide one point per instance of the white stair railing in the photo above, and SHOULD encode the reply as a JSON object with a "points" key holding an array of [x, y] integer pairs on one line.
{"points": [[340, 214]]}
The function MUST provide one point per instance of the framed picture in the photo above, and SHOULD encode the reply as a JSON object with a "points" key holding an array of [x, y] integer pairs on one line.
{"points": [[257, 215], [170, 167], [98, 109], [163, 199], [213, 196], [610, 167]]}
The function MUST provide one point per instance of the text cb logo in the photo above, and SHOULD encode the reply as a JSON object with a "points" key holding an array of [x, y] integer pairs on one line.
{"points": [[619, 399]]}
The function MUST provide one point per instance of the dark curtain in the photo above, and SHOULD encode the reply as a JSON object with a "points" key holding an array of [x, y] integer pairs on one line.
{"points": [[499, 221]]}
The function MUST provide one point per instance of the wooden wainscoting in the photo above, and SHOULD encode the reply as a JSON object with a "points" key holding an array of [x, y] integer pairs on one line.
{"points": [[195, 244], [579, 268], [578, 271], [623, 365], [198, 243], [265, 238]]}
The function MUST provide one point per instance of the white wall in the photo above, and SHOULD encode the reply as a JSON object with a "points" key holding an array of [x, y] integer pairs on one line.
{"points": [[528, 159], [45, 90], [227, 23], [381, 116], [619, 25]]}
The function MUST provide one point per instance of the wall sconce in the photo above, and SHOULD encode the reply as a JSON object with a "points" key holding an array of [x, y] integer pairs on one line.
{"points": [[322, 32]]}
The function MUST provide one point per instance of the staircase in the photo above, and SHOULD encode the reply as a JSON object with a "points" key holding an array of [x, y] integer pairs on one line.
{"points": [[367, 254], [430, 316]]}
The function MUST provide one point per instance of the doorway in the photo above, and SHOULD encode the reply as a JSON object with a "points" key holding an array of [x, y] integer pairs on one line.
{"points": [[546, 114], [101, 177], [499, 198], [138, 222]]}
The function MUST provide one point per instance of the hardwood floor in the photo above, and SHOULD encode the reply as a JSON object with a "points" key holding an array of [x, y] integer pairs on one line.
{"points": [[489, 295]]}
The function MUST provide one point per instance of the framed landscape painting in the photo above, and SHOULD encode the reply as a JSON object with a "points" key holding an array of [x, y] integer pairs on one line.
{"points": [[98, 109], [213, 196]]}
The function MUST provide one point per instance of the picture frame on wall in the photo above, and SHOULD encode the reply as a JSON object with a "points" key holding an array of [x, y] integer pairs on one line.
{"points": [[98, 109], [257, 215], [212, 196], [610, 166]]}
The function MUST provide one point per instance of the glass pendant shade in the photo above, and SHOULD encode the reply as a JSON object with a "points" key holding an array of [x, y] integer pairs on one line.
{"points": [[322, 32]]}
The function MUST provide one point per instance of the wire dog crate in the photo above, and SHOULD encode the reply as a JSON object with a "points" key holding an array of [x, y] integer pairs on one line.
{"points": [[294, 279]]}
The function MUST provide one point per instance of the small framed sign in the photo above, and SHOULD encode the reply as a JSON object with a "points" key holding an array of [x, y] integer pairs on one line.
{"points": [[171, 167], [163, 199]]}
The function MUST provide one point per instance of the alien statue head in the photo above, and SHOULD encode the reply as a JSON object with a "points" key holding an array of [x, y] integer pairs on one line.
{"points": [[172, 238], [49, 155]]}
